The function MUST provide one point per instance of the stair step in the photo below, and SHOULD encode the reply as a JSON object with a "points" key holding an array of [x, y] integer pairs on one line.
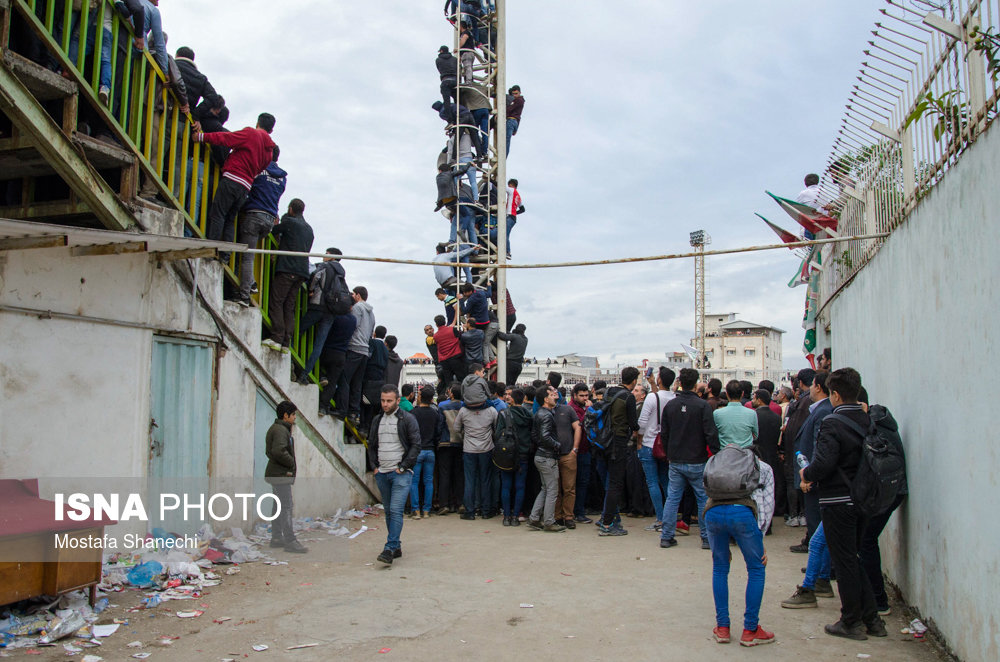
{"points": [[43, 83], [103, 155]]}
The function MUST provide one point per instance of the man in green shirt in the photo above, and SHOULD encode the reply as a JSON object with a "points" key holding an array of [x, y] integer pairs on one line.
{"points": [[408, 396], [737, 425]]}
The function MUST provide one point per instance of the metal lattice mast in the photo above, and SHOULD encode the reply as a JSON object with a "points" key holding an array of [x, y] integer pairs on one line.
{"points": [[489, 74], [698, 240]]}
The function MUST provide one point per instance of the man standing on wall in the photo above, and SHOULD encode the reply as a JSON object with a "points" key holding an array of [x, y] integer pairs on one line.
{"points": [[293, 234], [280, 475]]}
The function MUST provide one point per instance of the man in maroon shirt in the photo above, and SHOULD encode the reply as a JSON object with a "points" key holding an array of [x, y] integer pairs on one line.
{"points": [[252, 151], [579, 401], [449, 352]]}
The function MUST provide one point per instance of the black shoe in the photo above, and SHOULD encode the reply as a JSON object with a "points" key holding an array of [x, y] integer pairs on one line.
{"points": [[468, 516], [705, 545], [877, 628], [385, 557], [514, 521], [582, 519], [304, 380], [490, 515], [397, 553], [506, 521], [838, 629], [561, 522], [667, 544], [569, 524], [799, 549], [535, 524], [277, 543], [295, 547]]}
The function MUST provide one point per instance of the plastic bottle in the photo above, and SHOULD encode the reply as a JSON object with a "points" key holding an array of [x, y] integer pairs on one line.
{"points": [[101, 605], [801, 460]]}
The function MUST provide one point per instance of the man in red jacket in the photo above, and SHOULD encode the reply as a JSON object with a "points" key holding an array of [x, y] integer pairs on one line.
{"points": [[252, 151]]}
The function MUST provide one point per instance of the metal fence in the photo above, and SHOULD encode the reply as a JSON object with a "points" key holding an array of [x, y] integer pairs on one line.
{"points": [[93, 44], [926, 90]]}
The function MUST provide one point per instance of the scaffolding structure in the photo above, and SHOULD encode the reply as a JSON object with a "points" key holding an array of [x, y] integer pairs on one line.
{"points": [[699, 239], [482, 72]]}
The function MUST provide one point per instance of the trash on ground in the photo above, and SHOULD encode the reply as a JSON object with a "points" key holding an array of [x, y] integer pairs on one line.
{"points": [[386, 650], [190, 614], [863, 656], [292, 648], [525, 605], [358, 532], [260, 647], [222, 619], [141, 656], [134, 644], [104, 630]]}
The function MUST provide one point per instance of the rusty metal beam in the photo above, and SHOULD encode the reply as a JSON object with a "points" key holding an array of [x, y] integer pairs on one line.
{"points": [[186, 253], [109, 249], [22, 243], [22, 108]]}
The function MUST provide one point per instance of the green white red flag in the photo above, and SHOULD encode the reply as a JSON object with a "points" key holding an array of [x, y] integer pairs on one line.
{"points": [[811, 219], [783, 234]]}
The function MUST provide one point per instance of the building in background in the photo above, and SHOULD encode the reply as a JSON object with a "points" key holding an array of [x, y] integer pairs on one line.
{"points": [[736, 349]]}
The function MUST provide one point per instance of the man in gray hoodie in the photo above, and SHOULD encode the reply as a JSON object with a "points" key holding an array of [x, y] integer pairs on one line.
{"points": [[476, 428], [348, 395]]}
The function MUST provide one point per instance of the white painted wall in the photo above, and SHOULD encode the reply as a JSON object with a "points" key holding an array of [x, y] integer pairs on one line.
{"points": [[75, 395], [920, 323]]}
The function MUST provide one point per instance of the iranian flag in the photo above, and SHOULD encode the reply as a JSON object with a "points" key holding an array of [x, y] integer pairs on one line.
{"points": [[783, 234], [809, 319], [811, 219], [811, 263]]}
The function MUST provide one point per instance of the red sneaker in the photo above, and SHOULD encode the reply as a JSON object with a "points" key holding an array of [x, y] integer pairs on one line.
{"points": [[721, 634], [683, 529], [761, 636]]}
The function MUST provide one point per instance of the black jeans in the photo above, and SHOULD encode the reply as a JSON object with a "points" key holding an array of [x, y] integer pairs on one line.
{"points": [[281, 526], [332, 363], [281, 307], [349, 386], [616, 485], [453, 370], [793, 494], [871, 555], [229, 199], [844, 527], [813, 514], [513, 372], [451, 476]]}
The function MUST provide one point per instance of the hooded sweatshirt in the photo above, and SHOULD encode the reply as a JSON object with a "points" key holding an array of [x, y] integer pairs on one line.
{"points": [[267, 189], [252, 148], [365, 315]]}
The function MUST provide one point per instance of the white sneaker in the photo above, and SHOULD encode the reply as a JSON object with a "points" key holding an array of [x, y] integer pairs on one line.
{"points": [[792, 521], [103, 94], [270, 344], [802, 520]]}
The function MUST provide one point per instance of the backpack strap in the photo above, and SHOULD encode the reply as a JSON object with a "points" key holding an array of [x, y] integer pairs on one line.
{"points": [[849, 423], [657, 396]]}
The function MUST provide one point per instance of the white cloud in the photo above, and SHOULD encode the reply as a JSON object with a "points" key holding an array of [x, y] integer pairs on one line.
{"points": [[642, 122]]}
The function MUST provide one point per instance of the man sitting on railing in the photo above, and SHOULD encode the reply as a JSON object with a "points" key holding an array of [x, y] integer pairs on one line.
{"points": [[253, 150]]}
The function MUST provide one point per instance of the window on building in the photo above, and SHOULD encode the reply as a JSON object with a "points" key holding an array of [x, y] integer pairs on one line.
{"points": [[748, 352], [709, 353], [730, 352]]}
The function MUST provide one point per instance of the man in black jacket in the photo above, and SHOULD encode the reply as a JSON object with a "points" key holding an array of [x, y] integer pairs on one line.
{"points": [[545, 439], [447, 66], [393, 448], [795, 416], [834, 465], [624, 420], [517, 343], [687, 430], [769, 431], [293, 234], [195, 82], [280, 475]]}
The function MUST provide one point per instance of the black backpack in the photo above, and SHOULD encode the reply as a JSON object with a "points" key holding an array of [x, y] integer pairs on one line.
{"points": [[337, 297], [597, 425], [881, 471], [505, 448]]}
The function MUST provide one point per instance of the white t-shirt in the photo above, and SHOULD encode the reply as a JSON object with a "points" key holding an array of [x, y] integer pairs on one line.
{"points": [[649, 427], [812, 196]]}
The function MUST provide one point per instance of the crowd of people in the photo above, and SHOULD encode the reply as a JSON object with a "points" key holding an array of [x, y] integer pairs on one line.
{"points": [[535, 455]]}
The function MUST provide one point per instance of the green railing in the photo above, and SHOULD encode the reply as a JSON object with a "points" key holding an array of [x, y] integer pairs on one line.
{"points": [[145, 116]]}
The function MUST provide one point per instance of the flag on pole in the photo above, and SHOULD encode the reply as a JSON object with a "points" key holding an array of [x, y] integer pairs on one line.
{"points": [[691, 351], [810, 264], [809, 318], [811, 219], [783, 234]]}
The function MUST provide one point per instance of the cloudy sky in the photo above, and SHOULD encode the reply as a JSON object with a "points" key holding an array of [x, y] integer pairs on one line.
{"points": [[643, 122]]}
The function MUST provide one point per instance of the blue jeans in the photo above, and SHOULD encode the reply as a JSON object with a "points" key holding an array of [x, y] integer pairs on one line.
{"points": [[107, 45], [155, 26], [394, 488], [511, 128], [738, 522], [679, 476], [466, 220], [423, 472], [582, 483], [657, 479], [482, 118], [514, 478], [322, 320], [511, 222], [478, 469], [818, 565]]}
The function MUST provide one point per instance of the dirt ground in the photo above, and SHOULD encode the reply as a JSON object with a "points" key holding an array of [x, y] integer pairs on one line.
{"points": [[459, 592]]}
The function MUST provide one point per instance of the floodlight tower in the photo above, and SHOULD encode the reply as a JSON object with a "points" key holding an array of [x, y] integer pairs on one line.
{"points": [[699, 239]]}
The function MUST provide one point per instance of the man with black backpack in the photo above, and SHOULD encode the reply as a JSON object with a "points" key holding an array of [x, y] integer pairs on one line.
{"points": [[835, 465], [512, 454], [687, 430], [329, 296]]}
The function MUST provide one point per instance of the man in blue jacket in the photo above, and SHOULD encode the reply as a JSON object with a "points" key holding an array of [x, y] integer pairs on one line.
{"points": [[260, 213], [805, 442], [475, 305]]}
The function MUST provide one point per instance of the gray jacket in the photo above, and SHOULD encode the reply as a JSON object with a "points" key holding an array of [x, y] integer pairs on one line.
{"points": [[475, 390], [366, 326], [475, 426]]}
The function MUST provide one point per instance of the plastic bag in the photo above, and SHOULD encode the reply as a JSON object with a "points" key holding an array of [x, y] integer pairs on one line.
{"points": [[63, 628], [144, 574]]}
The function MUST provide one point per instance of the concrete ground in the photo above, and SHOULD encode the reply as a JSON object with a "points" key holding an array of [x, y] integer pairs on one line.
{"points": [[458, 591]]}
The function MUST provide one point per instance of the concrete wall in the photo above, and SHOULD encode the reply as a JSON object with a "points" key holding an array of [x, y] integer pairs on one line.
{"points": [[75, 394], [920, 323]]}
